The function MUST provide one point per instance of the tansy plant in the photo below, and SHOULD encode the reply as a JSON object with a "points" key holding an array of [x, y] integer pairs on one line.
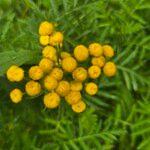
{"points": [[62, 75]]}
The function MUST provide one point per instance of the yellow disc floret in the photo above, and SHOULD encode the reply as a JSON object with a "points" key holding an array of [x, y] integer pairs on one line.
{"points": [[91, 88], [33, 88], [108, 51], [79, 107], [57, 73], [81, 53], [98, 61], [94, 72], [16, 95], [80, 74], [51, 100], [15, 73], [110, 69], [64, 55], [50, 83], [63, 88], [73, 97], [44, 40], [35, 73], [69, 64], [46, 28], [95, 49], [76, 86]]}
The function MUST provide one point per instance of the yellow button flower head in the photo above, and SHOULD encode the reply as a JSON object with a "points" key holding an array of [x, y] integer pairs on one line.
{"points": [[94, 72], [35, 73], [16, 95], [49, 52], [44, 40], [15, 73], [46, 65], [56, 38], [51, 100], [110, 69], [108, 51], [73, 97], [46, 28], [33, 88], [50, 83], [64, 55], [95, 49], [81, 53], [76, 86], [69, 64], [63, 88], [79, 107], [98, 61], [80, 74], [57, 73], [91, 88]]}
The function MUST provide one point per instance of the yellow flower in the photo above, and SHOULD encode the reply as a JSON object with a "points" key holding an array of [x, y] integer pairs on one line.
{"points": [[56, 38], [64, 55], [79, 107], [81, 53], [76, 86], [46, 28], [16, 95], [79, 74], [49, 52], [63, 88], [15, 73], [50, 83], [91, 88], [95, 49], [46, 65], [57, 73], [110, 69], [108, 51], [44, 40], [35, 73], [33, 88], [51, 100], [73, 97], [69, 64], [94, 72], [98, 61]]}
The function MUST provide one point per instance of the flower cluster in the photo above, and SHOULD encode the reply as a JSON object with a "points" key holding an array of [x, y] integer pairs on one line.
{"points": [[61, 75]]}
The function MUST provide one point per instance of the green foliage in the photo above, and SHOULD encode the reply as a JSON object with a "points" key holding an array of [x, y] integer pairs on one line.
{"points": [[118, 117]]}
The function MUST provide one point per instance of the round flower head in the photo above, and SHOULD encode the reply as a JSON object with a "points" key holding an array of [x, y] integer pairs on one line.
{"points": [[76, 86], [95, 49], [98, 61], [16, 95], [69, 64], [91, 88], [64, 55], [15, 73], [79, 107], [50, 83], [108, 51], [94, 72], [80, 74], [57, 73], [110, 69], [51, 100], [73, 97], [33, 88], [35, 73], [81, 53], [46, 28], [56, 38], [46, 65], [44, 40], [63, 88], [49, 52]]}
